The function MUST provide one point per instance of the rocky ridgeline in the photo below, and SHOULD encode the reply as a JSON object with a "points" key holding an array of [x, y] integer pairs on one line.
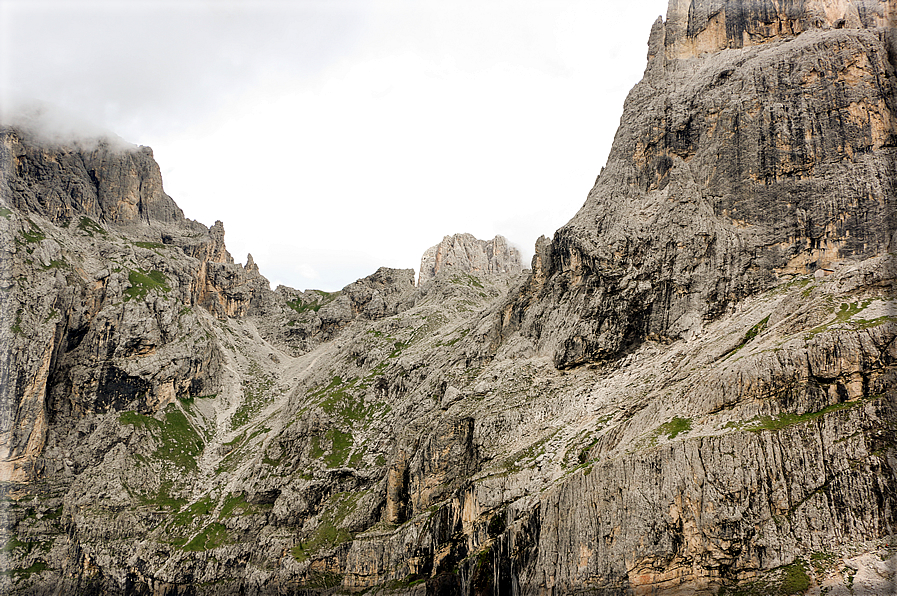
{"points": [[759, 145], [464, 253], [691, 392]]}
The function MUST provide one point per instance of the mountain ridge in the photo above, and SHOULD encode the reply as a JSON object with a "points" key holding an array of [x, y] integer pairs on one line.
{"points": [[690, 392]]}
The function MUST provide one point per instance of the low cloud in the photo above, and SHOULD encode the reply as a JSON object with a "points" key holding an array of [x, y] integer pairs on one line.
{"points": [[51, 125]]}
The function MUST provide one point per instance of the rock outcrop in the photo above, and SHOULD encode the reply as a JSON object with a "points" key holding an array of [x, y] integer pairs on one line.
{"points": [[692, 392], [464, 253], [761, 144], [102, 182]]}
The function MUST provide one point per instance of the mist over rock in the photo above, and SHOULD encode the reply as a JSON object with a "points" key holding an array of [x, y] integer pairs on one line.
{"points": [[693, 391], [105, 182], [53, 127], [465, 253]]}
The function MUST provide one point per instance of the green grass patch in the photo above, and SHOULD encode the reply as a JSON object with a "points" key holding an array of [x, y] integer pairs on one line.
{"points": [[301, 307], [339, 399], [236, 440], [755, 330], [783, 581], [176, 439], [325, 536], [845, 312], [17, 324], [315, 449], [330, 532], [520, 459], [240, 448], [149, 245], [212, 536], [800, 282], [163, 498], [782, 421], [323, 299], [453, 341], [56, 264], [795, 580], [468, 280], [4, 212], [822, 561], [671, 429], [268, 461], [33, 234], [376, 371], [583, 455], [90, 227], [870, 323], [259, 431], [256, 394], [236, 505], [340, 446], [12, 544], [25, 573], [200, 508], [849, 309], [142, 282], [751, 334], [397, 349]]}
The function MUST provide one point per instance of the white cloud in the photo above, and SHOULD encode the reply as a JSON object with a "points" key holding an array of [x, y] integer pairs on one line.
{"points": [[335, 137]]}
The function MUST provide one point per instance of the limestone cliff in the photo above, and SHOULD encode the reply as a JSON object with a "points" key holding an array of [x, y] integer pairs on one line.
{"points": [[692, 392], [465, 253], [759, 145]]}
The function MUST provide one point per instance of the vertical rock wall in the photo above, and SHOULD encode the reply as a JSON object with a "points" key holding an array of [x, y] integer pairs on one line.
{"points": [[738, 163], [464, 253]]}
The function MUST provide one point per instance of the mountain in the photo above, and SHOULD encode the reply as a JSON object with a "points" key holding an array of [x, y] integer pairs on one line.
{"points": [[692, 391]]}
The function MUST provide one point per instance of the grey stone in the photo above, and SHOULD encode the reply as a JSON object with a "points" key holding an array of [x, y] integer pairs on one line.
{"points": [[465, 253], [670, 402]]}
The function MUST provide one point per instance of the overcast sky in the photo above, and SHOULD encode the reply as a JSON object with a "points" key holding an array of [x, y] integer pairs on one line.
{"points": [[333, 137]]}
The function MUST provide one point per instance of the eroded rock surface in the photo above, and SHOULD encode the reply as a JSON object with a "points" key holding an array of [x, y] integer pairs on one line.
{"points": [[730, 170], [463, 253], [692, 392]]}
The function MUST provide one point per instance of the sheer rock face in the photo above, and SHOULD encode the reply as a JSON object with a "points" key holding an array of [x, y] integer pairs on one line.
{"points": [[773, 155], [100, 273], [103, 181], [465, 253], [696, 27], [169, 425]]}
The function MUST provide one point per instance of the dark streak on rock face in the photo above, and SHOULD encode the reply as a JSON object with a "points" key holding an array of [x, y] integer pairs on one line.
{"points": [[727, 172], [116, 390], [106, 183], [171, 426]]}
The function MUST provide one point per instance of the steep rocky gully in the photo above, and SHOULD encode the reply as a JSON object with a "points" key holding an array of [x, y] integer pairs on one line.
{"points": [[692, 391]]}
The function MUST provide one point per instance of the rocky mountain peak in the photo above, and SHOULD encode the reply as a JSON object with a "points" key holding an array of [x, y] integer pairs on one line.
{"points": [[696, 27], [110, 183], [692, 392], [464, 252], [748, 113]]}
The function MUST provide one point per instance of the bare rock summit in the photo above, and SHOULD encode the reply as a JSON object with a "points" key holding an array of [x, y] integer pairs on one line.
{"points": [[694, 391], [464, 252]]}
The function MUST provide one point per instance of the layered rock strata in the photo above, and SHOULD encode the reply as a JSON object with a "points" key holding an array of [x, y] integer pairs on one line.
{"points": [[759, 145], [464, 253], [692, 392]]}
